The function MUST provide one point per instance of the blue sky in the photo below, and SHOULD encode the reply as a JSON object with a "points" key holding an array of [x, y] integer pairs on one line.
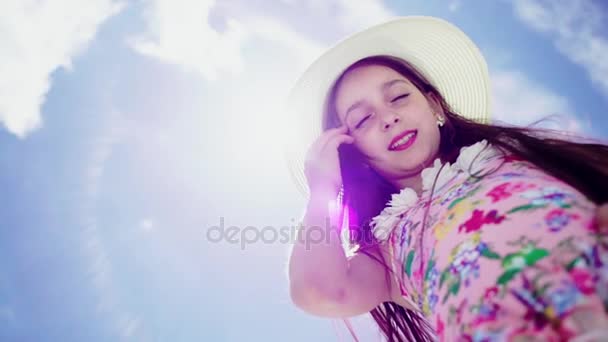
{"points": [[128, 129]]}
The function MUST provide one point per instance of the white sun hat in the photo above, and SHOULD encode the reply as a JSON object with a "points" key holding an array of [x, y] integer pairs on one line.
{"points": [[440, 51]]}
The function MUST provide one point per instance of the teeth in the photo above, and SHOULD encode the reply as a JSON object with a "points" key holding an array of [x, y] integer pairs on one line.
{"points": [[402, 140]]}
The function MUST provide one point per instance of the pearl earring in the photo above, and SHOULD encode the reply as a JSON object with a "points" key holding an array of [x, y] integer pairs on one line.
{"points": [[440, 121]]}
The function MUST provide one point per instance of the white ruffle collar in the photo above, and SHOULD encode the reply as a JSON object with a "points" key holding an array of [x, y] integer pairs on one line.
{"points": [[384, 223]]}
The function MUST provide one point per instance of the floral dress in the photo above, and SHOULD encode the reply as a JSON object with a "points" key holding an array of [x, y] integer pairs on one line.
{"points": [[508, 249]]}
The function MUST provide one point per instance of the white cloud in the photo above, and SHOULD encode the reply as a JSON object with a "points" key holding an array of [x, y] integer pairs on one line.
{"points": [[302, 48], [37, 38], [361, 14], [180, 32], [337, 16], [454, 5], [128, 326], [147, 224], [576, 30], [517, 100]]}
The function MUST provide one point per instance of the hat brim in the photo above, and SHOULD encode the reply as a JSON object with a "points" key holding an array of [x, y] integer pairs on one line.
{"points": [[443, 53]]}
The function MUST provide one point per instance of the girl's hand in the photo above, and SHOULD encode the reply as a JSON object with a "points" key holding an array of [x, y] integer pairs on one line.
{"points": [[322, 164]]}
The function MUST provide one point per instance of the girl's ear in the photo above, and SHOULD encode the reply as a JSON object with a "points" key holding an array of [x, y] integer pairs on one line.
{"points": [[434, 103]]}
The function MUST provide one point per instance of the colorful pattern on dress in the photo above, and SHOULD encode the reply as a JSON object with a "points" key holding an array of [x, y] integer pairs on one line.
{"points": [[513, 253]]}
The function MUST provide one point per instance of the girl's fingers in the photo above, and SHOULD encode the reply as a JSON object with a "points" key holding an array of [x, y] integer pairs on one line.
{"points": [[322, 140], [338, 140], [330, 133]]}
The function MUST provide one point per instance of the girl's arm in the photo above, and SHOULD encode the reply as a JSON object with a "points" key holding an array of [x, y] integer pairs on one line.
{"points": [[323, 281]]}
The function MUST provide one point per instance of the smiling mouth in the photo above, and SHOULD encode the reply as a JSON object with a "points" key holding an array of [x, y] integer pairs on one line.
{"points": [[403, 141]]}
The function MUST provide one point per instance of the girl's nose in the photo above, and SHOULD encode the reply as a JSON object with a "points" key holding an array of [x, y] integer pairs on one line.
{"points": [[390, 120]]}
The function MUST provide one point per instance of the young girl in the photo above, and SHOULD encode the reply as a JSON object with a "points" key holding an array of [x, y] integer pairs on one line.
{"points": [[462, 230]]}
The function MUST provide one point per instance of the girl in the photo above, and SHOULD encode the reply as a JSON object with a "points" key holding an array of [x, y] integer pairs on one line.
{"points": [[461, 230]]}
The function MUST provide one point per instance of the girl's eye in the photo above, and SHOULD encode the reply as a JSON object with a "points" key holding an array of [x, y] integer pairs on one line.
{"points": [[362, 121], [400, 97], [365, 118]]}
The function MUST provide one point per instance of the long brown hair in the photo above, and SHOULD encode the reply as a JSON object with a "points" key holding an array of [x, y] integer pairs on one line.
{"points": [[583, 165]]}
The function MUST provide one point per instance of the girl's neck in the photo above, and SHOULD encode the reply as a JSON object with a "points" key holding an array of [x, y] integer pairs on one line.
{"points": [[412, 182]]}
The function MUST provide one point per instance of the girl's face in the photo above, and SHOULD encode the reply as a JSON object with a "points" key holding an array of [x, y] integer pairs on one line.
{"points": [[379, 106]]}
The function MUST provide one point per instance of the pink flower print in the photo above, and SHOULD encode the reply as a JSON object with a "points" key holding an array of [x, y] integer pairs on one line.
{"points": [[478, 219], [464, 264], [430, 288], [417, 275], [488, 312], [462, 191], [485, 336], [593, 226], [406, 232], [565, 297], [583, 280], [538, 309], [557, 219], [417, 279], [506, 190], [487, 309], [490, 292], [499, 192], [521, 186], [440, 328], [460, 310], [452, 218]]}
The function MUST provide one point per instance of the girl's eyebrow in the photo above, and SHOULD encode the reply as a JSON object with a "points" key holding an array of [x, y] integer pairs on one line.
{"points": [[388, 84], [352, 107]]}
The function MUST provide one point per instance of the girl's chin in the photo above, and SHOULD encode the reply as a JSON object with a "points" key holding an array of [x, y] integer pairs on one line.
{"points": [[411, 170], [405, 171]]}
